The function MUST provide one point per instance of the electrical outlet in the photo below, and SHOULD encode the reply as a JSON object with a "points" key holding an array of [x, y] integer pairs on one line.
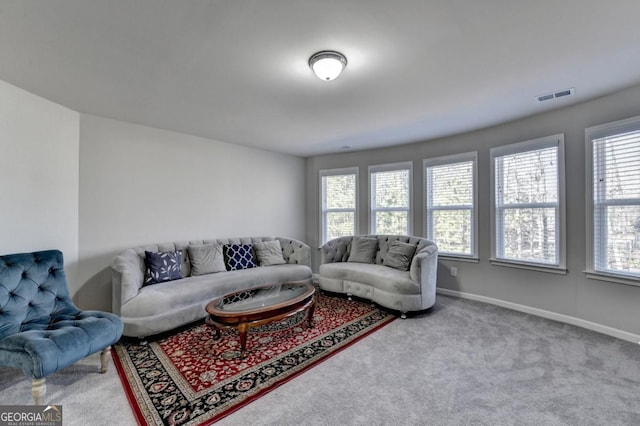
{"points": [[453, 271]]}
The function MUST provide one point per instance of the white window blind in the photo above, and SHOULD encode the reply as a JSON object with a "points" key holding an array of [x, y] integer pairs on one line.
{"points": [[390, 199], [338, 203], [528, 205], [450, 204], [616, 203]]}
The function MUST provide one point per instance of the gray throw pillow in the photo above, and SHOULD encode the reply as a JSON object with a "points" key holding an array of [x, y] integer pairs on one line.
{"points": [[399, 255], [363, 249], [206, 259], [269, 253]]}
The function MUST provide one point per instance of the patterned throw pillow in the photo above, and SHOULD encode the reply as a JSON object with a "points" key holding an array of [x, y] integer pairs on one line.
{"points": [[238, 256], [162, 266]]}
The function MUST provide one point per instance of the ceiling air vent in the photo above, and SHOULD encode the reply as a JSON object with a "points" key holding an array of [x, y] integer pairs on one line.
{"points": [[556, 95]]}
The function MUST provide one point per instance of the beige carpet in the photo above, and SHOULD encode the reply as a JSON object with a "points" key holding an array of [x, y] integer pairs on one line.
{"points": [[462, 363]]}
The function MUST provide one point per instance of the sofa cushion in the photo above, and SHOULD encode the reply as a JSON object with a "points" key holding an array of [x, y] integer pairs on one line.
{"points": [[163, 298], [206, 259], [269, 253], [162, 266], [363, 249], [378, 276], [64, 340], [239, 256], [399, 255]]}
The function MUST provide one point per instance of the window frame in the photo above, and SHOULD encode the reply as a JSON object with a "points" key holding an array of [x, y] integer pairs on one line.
{"points": [[561, 231], [444, 160], [592, 134], [407, 165], [323, 222]]}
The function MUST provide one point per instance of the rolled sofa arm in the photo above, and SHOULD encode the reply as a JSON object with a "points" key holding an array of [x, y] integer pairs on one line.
{"points": [[127, 272], [424, 270]]}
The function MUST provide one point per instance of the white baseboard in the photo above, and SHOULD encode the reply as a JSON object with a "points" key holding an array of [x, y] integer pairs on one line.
{"points": [[610, 331]]}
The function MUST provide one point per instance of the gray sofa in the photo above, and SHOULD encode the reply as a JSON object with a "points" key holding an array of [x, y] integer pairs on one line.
{"points": [[152, 309], [375, 275]]}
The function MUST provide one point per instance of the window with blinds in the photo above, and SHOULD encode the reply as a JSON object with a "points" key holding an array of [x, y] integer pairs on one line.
{"points": [[450, 204], [528, 194], [339, 200], [390, 199], [616, 201]]}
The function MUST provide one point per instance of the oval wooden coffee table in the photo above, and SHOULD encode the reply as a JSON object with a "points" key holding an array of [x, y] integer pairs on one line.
{"points": [[258, 306]]}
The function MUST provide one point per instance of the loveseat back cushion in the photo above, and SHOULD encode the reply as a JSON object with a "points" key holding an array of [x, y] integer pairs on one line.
{"points": [[206, 258], [33, 289], [269, 253], [385, 242], [363, 250], [399, 255]]}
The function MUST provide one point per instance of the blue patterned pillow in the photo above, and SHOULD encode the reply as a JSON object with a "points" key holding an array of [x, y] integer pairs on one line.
{"points": [[238, 256], [162, 266]]}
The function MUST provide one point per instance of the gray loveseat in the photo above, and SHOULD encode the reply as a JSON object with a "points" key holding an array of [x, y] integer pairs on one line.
{"points": [[403, 279], [151, 309]]}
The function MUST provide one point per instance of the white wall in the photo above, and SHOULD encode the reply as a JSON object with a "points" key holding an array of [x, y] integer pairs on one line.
{"points": [[38, 177], [605, 303], [142, 185]]}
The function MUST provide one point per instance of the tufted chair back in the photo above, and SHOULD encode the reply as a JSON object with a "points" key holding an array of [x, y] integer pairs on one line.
{"points": [[33, 289]]}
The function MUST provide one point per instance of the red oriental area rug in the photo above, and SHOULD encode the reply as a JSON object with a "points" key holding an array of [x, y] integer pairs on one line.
{"points": [[190, 378]]}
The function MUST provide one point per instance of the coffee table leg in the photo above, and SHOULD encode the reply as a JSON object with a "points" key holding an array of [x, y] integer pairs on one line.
{"points": [[208, 321], [312, 309], [243, 328]]}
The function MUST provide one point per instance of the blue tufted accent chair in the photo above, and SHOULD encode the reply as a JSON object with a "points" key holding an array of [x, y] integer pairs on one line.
{"points": [[41, 330]]}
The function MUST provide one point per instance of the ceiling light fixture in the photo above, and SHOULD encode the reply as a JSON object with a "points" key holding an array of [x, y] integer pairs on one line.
{"points": [[327, 64]]}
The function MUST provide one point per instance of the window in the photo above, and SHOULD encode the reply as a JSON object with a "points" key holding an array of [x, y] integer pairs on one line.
{"points": [[338, 203], [450, 200], [613, 203], [390, 198], [528, 204]]}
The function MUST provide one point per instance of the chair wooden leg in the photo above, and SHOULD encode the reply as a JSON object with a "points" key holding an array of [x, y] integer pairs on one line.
{"points": [[105, 355], [38, 390]]}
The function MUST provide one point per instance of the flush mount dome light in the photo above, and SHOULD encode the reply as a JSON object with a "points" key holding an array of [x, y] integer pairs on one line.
{"points": [[327, 64]]}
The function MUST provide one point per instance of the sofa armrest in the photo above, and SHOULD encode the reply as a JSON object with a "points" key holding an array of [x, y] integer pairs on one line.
{"points": [[424, 270], [295, 251], [127, 277]]}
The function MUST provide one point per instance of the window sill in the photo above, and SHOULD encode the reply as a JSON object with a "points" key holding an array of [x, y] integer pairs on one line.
{"points": [[530, 266], [612, 278], [450, 257]]}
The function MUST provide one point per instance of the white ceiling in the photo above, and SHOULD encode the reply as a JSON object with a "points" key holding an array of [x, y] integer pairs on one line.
{"points": [[236, 71]]}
